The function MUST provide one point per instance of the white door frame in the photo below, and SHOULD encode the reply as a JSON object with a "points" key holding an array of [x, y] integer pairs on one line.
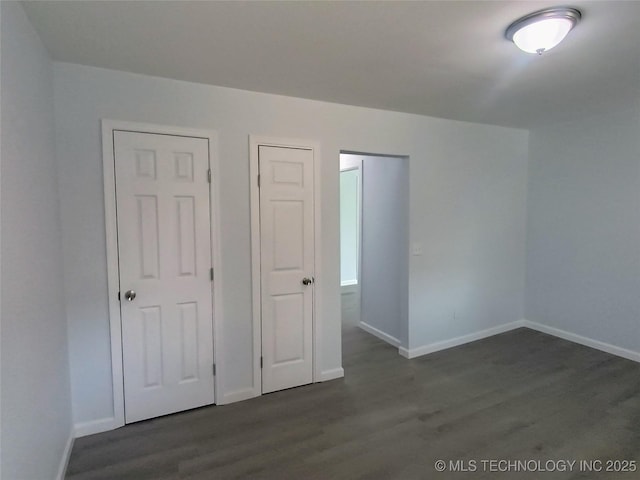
{"points": [[115, 320], [357, 165], [256, 141]]}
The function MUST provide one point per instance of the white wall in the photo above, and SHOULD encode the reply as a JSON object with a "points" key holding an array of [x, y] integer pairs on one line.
{"points": [[35, 396], [468, 210], [467, 197], [583, 237], [385, 245]]}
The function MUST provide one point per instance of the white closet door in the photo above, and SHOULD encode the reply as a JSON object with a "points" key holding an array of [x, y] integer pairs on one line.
{"points": [[164, 247], [287, 260]]}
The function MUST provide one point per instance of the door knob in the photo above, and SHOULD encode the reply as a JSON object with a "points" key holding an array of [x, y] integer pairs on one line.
{"points": [[307, 281], [129, 295]]}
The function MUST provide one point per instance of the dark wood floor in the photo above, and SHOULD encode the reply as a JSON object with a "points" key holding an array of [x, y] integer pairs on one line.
{"points": [[520, 395]]}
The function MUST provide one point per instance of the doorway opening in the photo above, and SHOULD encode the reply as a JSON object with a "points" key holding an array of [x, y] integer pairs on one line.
{"points": [[374, 247]]}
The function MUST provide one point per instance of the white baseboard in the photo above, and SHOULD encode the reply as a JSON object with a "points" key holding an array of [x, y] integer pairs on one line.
{"points": [[385, 337], [454, 342], [588, 342], [66, 454], [556, 332], [96, 426], [327, 375], [239, 396]]}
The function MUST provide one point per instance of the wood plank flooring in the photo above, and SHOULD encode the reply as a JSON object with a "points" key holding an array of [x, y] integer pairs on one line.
{"points": [[519, 395]]}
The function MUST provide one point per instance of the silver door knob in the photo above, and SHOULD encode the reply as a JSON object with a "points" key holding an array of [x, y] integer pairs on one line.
{"points": [[129, 295], [307, 281]]}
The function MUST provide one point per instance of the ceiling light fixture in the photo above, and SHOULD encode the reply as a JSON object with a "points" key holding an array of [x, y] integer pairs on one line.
{"points": [[542, 30]]}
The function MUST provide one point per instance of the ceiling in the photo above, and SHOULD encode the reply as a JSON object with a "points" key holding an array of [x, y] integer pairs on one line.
{"points": [[440, 58]]}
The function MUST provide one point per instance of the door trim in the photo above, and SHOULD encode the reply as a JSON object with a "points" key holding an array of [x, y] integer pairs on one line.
{"points": [[256, 141], [115, 325], [357, 165]]}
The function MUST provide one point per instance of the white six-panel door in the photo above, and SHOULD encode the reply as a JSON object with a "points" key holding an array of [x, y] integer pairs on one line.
{"points": [[164, 248], [287, 266]]}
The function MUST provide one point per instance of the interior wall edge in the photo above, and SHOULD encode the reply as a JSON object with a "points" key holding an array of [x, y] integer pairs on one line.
{"points": [[36, 396], [84, 429], [385, 337], [410, 353], [66, 455], [586, 341]]}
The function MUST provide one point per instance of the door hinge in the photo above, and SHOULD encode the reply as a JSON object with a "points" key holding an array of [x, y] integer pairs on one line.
{"points": [[211, 273], [118, 296], [261, 362], [214, 369], [258, 180], [209, 175]]}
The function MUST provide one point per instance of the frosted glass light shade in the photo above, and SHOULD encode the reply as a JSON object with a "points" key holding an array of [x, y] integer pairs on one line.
{"points": [[543, 30], [541, 36]]}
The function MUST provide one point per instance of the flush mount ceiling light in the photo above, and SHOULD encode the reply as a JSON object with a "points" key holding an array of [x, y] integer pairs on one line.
{"points": [[542, 30]]}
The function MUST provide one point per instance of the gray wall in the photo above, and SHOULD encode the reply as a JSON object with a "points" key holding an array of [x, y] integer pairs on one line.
{"points": [[35, 395], [468, 210], [467, 193], [583, 240], [385, 245]]}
